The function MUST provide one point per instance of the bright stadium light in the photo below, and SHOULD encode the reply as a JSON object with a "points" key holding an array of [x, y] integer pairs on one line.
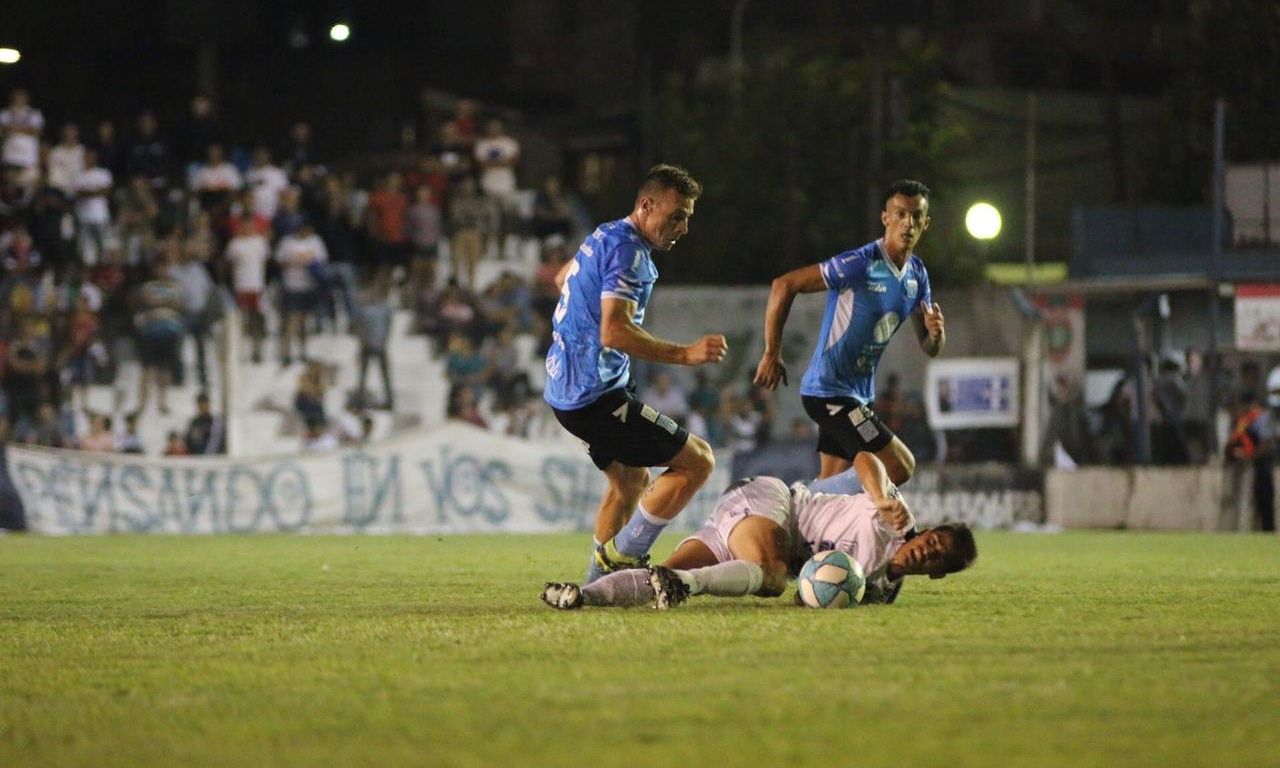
{"points": [[9, 55], [982, 221], [339, 33]]}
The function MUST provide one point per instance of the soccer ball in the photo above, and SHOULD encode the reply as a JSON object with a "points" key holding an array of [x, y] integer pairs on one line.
{"points": [[831, 579]]}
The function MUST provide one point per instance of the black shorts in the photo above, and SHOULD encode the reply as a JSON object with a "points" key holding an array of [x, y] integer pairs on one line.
{"points": [[298, 302], [618, 427], [393, 254], [846, 426], [158, 352], [425, 253]]}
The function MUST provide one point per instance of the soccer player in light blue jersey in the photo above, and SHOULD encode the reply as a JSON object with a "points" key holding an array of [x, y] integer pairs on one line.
{"points": [[596, 329], [870, 290]]}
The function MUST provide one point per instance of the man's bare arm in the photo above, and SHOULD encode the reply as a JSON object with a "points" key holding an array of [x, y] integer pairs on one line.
{"points": [[930, 328], [782, 293], [618, 331], [874, 477], [893, 510]]}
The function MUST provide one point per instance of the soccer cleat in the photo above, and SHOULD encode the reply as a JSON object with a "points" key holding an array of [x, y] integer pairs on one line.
{"points": [[668, 589], [609, 565], [562, 596]]}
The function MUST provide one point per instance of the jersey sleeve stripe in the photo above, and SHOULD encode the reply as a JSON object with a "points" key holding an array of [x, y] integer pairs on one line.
{"points": [[824, 268]]}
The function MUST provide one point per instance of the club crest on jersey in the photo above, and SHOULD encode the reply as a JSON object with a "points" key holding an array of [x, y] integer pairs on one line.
{"points": [[885, 327], [913, 287]]}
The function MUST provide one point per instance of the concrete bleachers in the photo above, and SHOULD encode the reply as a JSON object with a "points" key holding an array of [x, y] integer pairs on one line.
{"points": [[263, 400]]}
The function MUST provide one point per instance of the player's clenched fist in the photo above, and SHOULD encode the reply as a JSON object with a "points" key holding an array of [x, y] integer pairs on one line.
{"points": [[709, 349], [770, 371], [894, 512], [934, 323]]}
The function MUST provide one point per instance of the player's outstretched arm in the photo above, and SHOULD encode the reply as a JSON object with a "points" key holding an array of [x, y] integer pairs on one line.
{"points": [[931, 328], [618, 331], [782, 292]]}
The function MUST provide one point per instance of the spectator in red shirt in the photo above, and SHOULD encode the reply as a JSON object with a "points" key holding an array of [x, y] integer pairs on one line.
{"points": [[388, 213], [431, 173]]}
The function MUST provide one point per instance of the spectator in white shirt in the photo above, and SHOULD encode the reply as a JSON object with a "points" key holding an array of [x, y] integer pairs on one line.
{"points": [[497, 155], [267, 182], [302, 256], [247, 254], [66, 160], [216, 182], [93, 188], [20, 126]]}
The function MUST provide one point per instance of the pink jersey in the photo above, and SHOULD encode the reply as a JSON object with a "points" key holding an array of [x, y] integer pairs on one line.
{"points": [[852, 525]]}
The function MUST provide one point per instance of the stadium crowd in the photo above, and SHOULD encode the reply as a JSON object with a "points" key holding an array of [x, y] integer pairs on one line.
{"points": [[119, 247]]}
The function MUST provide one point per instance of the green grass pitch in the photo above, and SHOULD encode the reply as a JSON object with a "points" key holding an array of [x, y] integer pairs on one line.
{"points": [[1075, 649]]}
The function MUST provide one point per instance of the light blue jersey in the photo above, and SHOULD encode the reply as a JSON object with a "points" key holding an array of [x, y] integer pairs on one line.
{"points": [[613, 262], [867, 299]]}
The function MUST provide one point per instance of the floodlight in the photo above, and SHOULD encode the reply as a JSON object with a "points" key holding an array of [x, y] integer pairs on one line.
{"points": [[983, 221]]}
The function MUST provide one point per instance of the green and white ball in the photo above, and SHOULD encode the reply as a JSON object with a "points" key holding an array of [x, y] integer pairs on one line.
{"points": [[831, 579]]}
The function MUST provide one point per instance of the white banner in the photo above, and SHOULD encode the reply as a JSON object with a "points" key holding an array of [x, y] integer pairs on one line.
{"points": [[972, 392], [1258, 318], [456, 479]]}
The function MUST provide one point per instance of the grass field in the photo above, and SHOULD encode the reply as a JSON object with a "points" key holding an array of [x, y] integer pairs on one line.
{"points": [[1073, 649]]}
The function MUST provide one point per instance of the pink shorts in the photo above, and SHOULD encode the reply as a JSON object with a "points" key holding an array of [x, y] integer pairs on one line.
{"points": [[759, 496]]}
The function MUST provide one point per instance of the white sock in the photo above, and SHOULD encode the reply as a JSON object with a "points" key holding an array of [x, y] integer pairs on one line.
{"points": [[736, 578]]}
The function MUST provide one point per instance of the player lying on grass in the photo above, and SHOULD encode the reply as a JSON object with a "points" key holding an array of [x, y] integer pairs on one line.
{"points": [[761, 532]]}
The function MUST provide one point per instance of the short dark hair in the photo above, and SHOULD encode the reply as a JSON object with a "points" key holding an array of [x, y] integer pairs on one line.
{"points": [[663, 176], [907, 187], [963, 551]]}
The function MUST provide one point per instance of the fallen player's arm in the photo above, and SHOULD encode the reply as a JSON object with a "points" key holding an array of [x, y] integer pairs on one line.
{"points": [[618, 331], [893, 510]]}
